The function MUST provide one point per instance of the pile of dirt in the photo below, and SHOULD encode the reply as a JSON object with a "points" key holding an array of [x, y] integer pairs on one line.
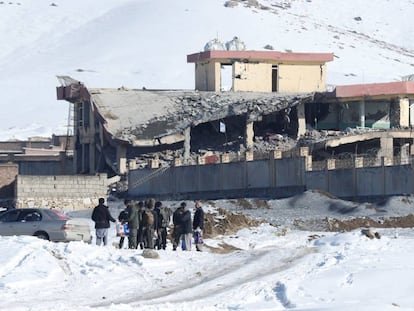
{"points": [[224, 222], [366, 222], [343, 225]]}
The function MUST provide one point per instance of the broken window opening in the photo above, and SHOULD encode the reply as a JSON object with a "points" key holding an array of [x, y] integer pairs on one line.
{"points": [[80, 114], [86, 114], [164, 153], [224, 135], [275, 76], [226, 77], [315, 115], [368, 148], [273, 125]]}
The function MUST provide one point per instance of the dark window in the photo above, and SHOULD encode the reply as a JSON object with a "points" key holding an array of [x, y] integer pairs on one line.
{"points": [[30, 216], [275, 78], [10, 216], [80, 114]]}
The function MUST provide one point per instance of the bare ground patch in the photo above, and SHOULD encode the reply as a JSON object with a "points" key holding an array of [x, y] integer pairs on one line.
{"points": [[366, 222], [224, 222], [223, 248]]}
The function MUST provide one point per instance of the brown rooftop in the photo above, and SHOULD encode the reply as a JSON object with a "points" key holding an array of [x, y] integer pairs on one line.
{"points": [[375, 89], [260, 55]]}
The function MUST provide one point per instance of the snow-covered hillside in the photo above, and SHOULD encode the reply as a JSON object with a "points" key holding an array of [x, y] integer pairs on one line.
{"points": [[136, 43]]}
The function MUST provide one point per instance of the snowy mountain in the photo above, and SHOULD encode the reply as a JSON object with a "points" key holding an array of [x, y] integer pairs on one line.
{"points": [[137, 43]]}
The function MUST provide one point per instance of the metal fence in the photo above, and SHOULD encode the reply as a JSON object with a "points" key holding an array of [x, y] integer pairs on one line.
{"points": [[360, 161]]}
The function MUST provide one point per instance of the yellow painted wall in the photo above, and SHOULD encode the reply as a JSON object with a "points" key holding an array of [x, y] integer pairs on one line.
{"points": [[302, 78], [404, 112], [257, 77], [249, 77]]}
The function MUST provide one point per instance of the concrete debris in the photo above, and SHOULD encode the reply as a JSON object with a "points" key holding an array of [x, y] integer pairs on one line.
{"points": [[193, 108], [262, 146]]}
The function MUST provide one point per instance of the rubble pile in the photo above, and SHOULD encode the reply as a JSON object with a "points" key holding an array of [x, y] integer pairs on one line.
{"points": [[193, 108], [197, 108]]}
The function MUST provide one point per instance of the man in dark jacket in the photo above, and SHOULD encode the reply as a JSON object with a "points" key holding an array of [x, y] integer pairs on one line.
{"points": [[101, 216], [141, 225], [198, 225], [133, 224], [164, 218], [177, 222], [187, 229], [157, 210]]}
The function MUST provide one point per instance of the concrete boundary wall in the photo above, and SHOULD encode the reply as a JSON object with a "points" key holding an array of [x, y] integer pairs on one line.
{"points": [[365, 182], [62, 192], [218, 180], [274, 178]]}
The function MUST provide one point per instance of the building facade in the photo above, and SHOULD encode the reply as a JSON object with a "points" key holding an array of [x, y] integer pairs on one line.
{"points": [[260, 71], [374, 105], [267, 90]]}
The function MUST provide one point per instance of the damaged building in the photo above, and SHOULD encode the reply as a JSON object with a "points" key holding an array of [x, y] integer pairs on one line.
{"points": [[116, 130], [374, 120], [246, 105], [376, 106]]}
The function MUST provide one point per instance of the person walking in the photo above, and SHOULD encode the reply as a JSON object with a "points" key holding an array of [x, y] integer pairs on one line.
{"points": [[198, 226], [164, 218], [123, 220], [101, 216], [133, 224], [177, 222], [187, 229]]}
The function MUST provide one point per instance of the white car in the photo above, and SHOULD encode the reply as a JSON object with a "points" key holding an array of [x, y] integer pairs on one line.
{"points": [[48, 224]]}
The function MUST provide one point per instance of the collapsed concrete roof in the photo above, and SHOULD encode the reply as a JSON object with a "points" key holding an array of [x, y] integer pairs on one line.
{"points": [[152, 117]]}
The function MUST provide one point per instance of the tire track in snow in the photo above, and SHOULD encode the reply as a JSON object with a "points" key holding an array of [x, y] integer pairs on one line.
{"points": [[223, 280]]}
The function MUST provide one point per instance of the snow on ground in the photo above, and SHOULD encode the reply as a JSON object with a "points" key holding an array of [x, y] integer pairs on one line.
{"points": [[271, 268], [137, 43], [313, 205]]}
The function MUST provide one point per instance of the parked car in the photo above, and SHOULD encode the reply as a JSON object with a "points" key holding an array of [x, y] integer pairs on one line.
{"points": [[3, 210], [48, 224]]}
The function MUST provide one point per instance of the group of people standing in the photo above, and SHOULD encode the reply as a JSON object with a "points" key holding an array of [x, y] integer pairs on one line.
{"points": [[185, 228], [149, 223]]}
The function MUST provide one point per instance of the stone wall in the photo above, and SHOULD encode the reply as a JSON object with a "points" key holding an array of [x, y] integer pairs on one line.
{"points": [[63, 192], [8, 173]]}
